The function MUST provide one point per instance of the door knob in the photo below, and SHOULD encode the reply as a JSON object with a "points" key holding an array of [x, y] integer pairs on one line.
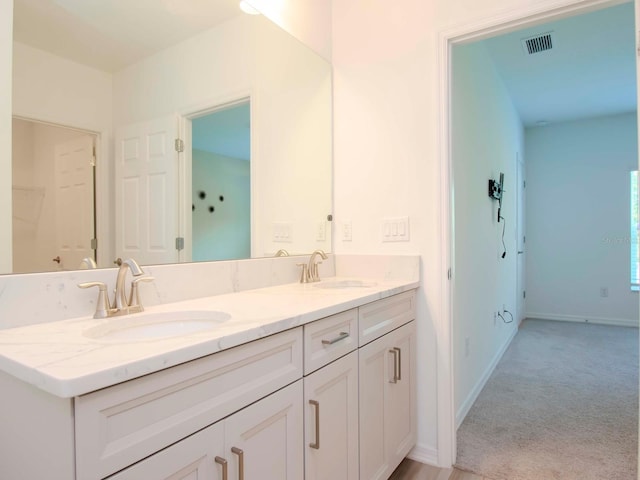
{"points": [[57, 259]]}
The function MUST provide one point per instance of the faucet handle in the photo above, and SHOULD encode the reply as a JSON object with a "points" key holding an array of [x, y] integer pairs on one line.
{"points": [[304, 275], [134, 295], [102, 304]]}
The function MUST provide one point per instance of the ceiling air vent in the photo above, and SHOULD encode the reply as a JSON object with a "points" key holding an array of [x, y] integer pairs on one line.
{"points": [[538, 43]]}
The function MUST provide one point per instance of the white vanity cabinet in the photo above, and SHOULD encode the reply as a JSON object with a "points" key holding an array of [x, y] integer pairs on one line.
{"points": [[387, 386], [260, 441], [331, 398], [360, 419], [197, 456]]}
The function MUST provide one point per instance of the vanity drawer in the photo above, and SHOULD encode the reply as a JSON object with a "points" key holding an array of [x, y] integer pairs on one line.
{"points": [[380, 317], [120, 425], [330, 338]]}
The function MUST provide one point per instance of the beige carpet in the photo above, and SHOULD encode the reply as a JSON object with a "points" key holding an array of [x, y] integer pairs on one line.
{"points": [[562, 404]]}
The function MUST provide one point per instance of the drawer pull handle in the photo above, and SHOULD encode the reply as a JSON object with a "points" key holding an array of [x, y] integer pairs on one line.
{"points": [[316, 444], [399, 362], [342, 336], [394, 352], [223, 462], [240, 454]]}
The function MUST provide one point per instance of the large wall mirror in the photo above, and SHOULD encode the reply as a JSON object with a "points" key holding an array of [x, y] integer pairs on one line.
{"points": [[167, 131]]}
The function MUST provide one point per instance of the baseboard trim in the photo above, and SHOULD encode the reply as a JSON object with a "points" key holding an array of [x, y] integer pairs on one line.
{"points": [[424, 454], [473, 395], [620, 322]]}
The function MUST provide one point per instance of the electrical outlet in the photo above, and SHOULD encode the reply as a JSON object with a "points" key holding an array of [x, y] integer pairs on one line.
{"points": [[321, 234], [347, 231], [466, 346]]}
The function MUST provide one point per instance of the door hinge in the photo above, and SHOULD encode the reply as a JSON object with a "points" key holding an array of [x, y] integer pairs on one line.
{"points": [[179, 243], [92, 162], [449, 274], [94, 243], [524, 239], [524, 184], [524, 294], [179, 145]]}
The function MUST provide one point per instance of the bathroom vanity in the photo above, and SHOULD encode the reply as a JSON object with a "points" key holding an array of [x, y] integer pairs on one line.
{"points": [[294, 381]]}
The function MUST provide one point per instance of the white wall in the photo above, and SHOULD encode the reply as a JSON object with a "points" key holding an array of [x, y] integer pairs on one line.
{"points": [[290, 109], [386, 156], [59, 91], [578, 219], [307, 20], [225, 233], [486, 137], [6, 41]]}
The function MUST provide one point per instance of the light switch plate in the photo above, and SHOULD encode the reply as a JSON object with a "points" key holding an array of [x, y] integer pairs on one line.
{"points": [[395, 229]]}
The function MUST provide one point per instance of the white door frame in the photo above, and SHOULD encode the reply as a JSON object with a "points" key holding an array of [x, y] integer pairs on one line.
{"points": [[504, 22], [185, 116]]}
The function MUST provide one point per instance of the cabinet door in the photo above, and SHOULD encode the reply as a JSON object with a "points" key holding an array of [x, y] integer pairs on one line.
{"points": [[331, 421], [264, 440], [400, 431], [387, 402], [197, 456], [376, 365]]}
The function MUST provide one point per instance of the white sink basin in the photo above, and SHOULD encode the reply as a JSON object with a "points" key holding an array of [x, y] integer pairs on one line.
{"points": [[152, 326], [344, 284]]}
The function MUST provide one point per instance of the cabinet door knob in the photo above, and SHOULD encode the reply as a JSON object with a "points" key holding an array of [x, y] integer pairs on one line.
{"points": [[316, 444], [240, 453], [223, 462]]}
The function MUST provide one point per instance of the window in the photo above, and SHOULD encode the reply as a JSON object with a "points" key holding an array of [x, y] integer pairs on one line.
{"points": [[635, 265]]}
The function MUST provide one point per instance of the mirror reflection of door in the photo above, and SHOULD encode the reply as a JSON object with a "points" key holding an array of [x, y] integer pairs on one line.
{"points": [[53, 197], [221, 184], [147, 191]]}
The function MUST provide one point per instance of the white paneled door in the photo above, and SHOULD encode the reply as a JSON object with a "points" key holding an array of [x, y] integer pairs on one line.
{"points": [[147, 195], [74, 167]]}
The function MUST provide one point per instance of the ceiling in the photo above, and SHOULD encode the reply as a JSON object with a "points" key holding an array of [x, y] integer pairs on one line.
{"points": [[589, 72], [109, 35]]}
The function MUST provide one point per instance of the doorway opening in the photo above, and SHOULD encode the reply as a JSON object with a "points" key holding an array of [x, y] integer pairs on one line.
{"points": [[221, 182], [452, 332], [53, 194]]}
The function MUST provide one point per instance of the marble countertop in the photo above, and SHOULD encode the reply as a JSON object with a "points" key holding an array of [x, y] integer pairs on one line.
{"points": [[59, 358]]}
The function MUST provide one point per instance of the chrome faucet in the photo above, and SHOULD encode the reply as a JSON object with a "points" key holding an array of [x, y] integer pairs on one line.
{"points": [[121, 295], [312, 269], [122, 305], [89, 262]]}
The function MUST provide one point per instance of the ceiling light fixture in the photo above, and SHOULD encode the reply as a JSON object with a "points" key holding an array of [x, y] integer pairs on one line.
{"points": [[246, 8]]}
